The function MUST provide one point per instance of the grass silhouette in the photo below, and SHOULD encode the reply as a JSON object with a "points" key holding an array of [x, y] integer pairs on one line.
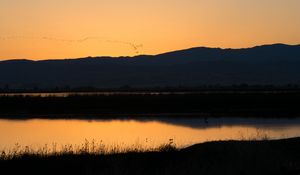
{"points": [[220, 157], [87, 148]]}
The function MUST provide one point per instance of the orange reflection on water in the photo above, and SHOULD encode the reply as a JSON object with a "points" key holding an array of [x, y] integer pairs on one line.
{"points": [[147, 133]]}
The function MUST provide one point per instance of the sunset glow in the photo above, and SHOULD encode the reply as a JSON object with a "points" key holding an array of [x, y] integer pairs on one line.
{"points": [[48, 29], [127, 133]]}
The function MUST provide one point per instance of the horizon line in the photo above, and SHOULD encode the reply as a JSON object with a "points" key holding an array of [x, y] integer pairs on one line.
{"points": [[129, 57]]}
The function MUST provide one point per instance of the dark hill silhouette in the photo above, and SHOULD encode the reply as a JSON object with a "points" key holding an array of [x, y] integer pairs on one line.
{"points": [[269, 64]]}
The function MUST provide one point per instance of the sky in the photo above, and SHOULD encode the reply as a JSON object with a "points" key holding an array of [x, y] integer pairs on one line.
{"points": [[54, 29]]}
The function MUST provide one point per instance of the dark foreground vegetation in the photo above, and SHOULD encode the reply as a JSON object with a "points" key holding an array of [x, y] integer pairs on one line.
{"points": [[253, 103], [228, 157]]}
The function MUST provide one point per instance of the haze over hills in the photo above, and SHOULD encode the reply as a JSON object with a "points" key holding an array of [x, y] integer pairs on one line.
{"points": [[276, 64]]}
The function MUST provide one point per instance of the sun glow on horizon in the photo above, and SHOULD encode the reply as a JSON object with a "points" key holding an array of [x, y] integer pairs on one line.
{"points": [[54, 29]]}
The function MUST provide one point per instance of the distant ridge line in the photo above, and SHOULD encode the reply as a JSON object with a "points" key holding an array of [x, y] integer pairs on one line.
{"points": [[276, 64], [181, 50]]}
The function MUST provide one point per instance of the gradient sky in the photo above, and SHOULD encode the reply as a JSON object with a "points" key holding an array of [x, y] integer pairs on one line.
{"points": [[45, 29]]}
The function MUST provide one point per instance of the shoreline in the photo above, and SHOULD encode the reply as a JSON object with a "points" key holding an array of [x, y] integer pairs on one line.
{"points": [[232, 157], [194, 105], [141, 116]]}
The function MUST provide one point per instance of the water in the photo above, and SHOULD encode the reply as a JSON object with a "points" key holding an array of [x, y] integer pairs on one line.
{"points": [[146, 132], [66, 94]]}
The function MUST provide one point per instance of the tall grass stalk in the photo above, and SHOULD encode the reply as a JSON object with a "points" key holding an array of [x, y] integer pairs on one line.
{"points": [[86, 148]]}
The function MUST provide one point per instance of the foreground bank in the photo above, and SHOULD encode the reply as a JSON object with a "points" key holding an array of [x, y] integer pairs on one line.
{"points": [[227, 157]]}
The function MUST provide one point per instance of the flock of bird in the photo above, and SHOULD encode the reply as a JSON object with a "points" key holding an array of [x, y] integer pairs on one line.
{"points": [[136, 47]]}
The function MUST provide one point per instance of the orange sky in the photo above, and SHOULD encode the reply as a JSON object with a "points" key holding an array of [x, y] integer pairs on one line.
{"points": [[45, 29]]}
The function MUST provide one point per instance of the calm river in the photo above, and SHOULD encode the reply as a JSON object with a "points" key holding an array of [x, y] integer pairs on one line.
{"points": [[146, 132]]}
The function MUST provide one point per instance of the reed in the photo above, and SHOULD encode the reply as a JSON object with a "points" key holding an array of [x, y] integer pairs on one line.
{"points": [[92, 148]]}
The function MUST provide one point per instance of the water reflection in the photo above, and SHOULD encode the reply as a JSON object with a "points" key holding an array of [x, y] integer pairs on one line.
{"points": [[66, 94], [109, 93], [144, 131], [219, 122]]}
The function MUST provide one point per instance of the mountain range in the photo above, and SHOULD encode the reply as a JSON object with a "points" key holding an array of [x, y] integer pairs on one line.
{"points": [[276, 64]]}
